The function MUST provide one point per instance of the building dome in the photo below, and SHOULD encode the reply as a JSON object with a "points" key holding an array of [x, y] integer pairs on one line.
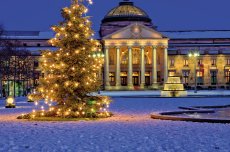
{"points": [[126, 11], [123, 15]]}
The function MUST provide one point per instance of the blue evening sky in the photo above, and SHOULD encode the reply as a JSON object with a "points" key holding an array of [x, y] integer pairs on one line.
{"points": [[166, 14]]}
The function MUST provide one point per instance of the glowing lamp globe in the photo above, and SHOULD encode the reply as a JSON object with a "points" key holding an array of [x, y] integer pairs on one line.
{"points": [[10, 102]]}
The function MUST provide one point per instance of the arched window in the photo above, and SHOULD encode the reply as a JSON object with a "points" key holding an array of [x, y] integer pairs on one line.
{"points": [[124, 58], [136, 56], [111, 59], [147, 59]]}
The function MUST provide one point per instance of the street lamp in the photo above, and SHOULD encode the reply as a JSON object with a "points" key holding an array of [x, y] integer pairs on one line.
{"points": [[194, 54], [10, 102], [98, 54], [228, 78]]}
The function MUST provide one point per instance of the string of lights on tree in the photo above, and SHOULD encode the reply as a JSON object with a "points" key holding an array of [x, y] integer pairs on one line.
{"points": [[72, 72]]}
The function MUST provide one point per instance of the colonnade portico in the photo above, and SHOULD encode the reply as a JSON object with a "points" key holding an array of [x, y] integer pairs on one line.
{"points": [[130, 85]]}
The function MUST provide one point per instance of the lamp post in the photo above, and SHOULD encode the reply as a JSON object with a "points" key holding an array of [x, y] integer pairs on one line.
{"points": [[228, 78], [10, 102], [194, 54]]}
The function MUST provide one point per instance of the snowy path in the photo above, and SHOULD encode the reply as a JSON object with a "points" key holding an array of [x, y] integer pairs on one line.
{"points": [[131, 129]]}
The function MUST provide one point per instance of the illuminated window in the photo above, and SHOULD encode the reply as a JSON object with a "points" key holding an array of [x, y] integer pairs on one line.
{"points": [[213, 62], [124, 59], [112, 77], [200, 77], [136, 59], [172, 61], [228, 62], [200, 62], [123, 78], [111, 59], [227, 77], [185, 62], [146, 60], [199, 74]]}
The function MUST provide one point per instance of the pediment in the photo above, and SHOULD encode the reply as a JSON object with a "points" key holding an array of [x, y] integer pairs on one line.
{"points": [[135, 31]]}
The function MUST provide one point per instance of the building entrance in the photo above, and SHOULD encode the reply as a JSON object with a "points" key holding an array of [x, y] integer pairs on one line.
{"points": [[124, 80], [135, 78]]}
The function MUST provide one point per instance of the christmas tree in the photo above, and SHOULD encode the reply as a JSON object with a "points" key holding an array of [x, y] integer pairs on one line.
{"points": [[72, 72]]}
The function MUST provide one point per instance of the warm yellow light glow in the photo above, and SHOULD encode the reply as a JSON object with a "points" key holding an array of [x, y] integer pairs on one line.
{"points": [[76, 84], [76, 35], [10, 100], [77, 51], [70, 24]]}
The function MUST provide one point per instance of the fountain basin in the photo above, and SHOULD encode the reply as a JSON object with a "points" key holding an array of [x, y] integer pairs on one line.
{"points": [[218, 114]]}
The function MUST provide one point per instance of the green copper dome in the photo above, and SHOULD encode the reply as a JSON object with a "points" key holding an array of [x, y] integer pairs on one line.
{"points": [[126, 11]]}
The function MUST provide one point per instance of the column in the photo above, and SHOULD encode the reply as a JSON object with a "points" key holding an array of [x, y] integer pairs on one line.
{"points": [[130, 69], [165, 64], [154, 67], [118, 69], [106, 68], [142, 67]]}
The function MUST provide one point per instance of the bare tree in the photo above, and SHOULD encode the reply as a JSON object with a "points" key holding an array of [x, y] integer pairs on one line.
{"points": [[16, 68], [1, 44], [1, 29]]}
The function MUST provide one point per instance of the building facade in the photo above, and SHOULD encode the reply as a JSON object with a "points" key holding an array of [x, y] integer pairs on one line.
{"points": [[138, 56]]}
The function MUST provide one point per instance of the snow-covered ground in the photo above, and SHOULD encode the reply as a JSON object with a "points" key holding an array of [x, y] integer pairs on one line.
{"points": [[130, 129]]}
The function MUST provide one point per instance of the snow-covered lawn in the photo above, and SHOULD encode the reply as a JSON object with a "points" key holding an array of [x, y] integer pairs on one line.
{"points": [[130, 129]]}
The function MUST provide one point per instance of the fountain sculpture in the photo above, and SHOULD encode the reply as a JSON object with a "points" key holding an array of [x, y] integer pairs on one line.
{"points": [[173, 88]]}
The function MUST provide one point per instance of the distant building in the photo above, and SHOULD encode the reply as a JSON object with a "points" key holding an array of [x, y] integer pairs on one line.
{"points": [[138, 56]]}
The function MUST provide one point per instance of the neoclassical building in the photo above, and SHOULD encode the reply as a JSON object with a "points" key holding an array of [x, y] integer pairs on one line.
{"points": [[135, 56], [139, 56]]}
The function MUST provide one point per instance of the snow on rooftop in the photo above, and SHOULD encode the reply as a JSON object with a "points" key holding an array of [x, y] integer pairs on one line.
{"points": [[201, 34], [193, 34], [28, 34]]}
